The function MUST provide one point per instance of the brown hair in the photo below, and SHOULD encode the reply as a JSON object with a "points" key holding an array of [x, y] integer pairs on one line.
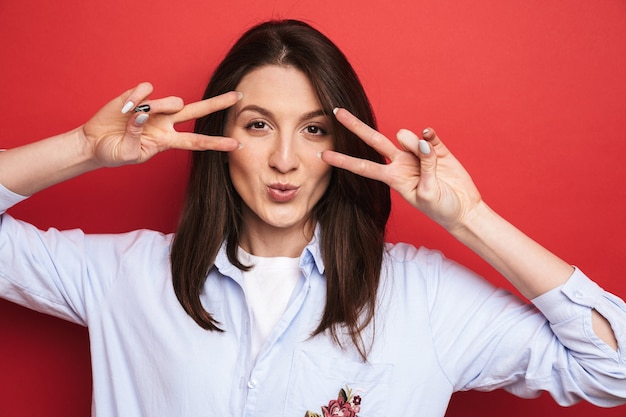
{"points": [[352, 214]]}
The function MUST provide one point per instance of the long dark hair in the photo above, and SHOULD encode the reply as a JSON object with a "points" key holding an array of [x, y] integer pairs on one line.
{"points": [[352, 214]]}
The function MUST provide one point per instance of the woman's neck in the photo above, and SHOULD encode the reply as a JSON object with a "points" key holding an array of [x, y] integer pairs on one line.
{"points": [[267, 241]]}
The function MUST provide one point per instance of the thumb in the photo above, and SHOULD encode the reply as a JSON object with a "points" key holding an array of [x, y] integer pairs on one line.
{"points": [[134, 128], [130, 145], [428, 167], [428, 159]]}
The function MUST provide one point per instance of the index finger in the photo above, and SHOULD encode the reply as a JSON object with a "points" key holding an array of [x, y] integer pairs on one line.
{"points": [[368, 135], [208, 106]]}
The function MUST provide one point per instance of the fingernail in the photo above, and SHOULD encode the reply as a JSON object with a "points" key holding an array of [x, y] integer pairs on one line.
{"points": [[335, 110], [240, 95], [424, 147], [319, 155], [240, 146], [142, 118], [425, 131], [129, 105], [142, 108]]}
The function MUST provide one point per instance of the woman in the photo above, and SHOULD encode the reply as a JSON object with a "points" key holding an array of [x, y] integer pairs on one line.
{"points": [[286, 299]]}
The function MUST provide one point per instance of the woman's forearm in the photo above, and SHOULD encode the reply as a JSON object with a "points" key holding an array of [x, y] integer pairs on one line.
{"points": [[30, 168], [531, 268]]}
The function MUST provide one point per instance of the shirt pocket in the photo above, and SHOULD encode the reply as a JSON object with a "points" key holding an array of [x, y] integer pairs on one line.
{"points": [[317, 381]]}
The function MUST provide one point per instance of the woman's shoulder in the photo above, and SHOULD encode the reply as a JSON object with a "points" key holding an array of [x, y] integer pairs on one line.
{"points": [[135, 244], [411, 269], [402, 252], [409, 265]]}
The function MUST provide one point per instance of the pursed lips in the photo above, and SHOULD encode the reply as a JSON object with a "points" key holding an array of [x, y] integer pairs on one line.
{"points": [[282, 193]]}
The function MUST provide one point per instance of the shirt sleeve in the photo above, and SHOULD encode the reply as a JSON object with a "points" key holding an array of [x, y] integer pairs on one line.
{"points": [[488, 338], [66, 273], [568, 310], [8, 198], [46, 271]]}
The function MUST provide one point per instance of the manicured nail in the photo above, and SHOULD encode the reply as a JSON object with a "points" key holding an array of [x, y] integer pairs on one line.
{"points": [[425, 131], [335, 110], [142, 118], [129, 105], [319, 155], [142, 108], [240, 95], [424, 147], [240, 146]]}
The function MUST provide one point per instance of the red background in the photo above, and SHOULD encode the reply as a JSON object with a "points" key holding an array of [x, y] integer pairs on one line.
{"points": [[530, 95]]}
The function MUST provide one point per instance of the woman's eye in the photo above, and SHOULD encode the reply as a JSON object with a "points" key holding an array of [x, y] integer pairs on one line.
{"points": [[257, 125], [315, 130]]}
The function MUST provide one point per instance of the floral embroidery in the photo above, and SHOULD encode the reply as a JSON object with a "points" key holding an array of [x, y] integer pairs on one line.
{"points": [[347, 404]]}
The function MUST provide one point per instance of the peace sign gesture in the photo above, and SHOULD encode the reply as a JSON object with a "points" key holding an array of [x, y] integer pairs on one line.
{"points": [[116, 135], [119, 136], [423, 171]]}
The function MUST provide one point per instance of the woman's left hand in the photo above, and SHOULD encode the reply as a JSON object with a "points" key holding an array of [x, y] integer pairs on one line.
{"points": [[424, 171]]}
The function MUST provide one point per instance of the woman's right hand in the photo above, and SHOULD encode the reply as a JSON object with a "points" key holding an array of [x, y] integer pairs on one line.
{"points": [[117, 135], [112, 137]]}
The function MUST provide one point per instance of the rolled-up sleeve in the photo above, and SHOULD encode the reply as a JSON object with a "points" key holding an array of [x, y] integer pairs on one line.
{"points": [[568, 309], [8, 198], [488, 339]]}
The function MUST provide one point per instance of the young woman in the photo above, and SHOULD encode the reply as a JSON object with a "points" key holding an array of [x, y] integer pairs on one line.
{"points": [[278, 294]]}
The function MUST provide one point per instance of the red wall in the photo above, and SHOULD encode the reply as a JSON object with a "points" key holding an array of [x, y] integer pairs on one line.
{"points": [[530, 95]]}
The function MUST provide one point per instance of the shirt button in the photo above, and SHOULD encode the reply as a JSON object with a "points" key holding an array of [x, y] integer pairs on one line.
{"points": [[579, 294], [252, 384]]}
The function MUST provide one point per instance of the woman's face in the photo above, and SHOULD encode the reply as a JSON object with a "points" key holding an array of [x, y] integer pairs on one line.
{"points": [[278, 173]]}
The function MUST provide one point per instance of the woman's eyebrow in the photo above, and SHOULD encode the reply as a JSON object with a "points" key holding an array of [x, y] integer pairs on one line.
{"points": [[265, 112], [313, 114], [255, 108]]}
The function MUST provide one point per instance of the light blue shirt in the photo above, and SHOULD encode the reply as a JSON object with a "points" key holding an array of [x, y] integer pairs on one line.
{"points": [[438, 329]]}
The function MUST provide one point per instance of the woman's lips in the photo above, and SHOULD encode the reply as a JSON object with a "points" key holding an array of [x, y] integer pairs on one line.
{"points": [[282, 193]]}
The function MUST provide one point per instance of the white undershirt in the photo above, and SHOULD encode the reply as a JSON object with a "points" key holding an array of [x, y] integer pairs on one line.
{"points": [[268, 286]]}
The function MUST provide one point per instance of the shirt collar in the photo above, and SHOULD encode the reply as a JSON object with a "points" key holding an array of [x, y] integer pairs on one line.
{"points": [[312, 253], [311, 257]]}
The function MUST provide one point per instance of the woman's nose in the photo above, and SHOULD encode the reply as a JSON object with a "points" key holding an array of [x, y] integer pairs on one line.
{"points": [[283, 156]]}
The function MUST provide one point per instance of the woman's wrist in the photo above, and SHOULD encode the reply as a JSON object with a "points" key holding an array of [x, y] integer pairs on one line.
{"points": [[473, 223], [86, 150]]}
